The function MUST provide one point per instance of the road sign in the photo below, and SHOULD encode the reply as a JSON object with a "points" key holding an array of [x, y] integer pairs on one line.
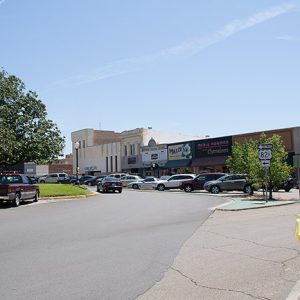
{"points": [[265, 146], [265, 154], [265, 163]]}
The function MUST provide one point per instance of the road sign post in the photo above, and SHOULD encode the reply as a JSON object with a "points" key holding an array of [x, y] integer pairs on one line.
{"points": [[265, 156]]}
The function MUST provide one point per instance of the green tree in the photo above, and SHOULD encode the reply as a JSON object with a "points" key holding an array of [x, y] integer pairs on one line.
{"points": [[25, 132], [244, 159]]}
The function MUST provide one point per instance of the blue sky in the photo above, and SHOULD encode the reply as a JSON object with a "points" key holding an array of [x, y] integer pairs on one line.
{"points": [[193, 67]]}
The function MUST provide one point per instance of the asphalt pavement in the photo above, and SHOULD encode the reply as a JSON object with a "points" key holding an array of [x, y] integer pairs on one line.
{"points": [[238, 253]]}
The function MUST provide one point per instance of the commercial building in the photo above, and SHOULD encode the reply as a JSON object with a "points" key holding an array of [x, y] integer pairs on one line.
{"points": [[102, 151], [149, 152]]}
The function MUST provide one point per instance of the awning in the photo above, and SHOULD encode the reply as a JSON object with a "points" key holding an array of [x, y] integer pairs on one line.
{"points": [[209, 161], [177, 163]]}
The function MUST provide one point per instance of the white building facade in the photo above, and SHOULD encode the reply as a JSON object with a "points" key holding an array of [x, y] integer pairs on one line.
{"points": [[105, 152]]}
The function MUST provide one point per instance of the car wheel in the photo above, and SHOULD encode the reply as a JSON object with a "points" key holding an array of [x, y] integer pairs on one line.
{"points": [[42, 181], [120, 191], [98, 190], [188, 188], [90, 184], [161, 187], [16, 201], [275, 189], [135, 186], [215, 189], [248, 189], [36, 197], [287, 189]]}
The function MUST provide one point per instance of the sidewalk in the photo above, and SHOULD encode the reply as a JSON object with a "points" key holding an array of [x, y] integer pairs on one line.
{"points": [[258, 200], [237, 255]]}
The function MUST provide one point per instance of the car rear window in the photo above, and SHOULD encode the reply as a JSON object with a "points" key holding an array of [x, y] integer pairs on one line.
{"points": [[6, 179]]}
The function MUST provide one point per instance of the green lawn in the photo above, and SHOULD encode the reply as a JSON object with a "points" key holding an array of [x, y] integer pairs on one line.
{"points": [[50, 190]]}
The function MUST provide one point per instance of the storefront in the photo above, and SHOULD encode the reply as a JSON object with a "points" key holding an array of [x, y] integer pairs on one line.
{"points": [[211, 155], [154, 159], [179, 158]]}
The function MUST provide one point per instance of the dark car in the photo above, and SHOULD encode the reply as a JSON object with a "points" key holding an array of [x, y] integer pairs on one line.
{"points": [[198, 182], [69, 180], [234, 182], [289, 184], [84, 178], [109, 184], [93, 181]]}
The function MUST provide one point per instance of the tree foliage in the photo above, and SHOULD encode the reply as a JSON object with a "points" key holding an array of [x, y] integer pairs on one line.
{"points": [[245, 159], [25, 132]]}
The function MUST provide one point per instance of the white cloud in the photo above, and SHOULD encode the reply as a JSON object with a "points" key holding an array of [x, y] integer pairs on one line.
{"points": [[184, 49], [2, 1], [288, 38]]}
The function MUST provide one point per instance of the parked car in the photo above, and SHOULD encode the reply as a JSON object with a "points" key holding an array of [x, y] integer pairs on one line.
{"points": [[16, 188], [149, 183], [130, 178], [69, 180], [109, 184], [234, 182], [164, 177], [118, 175], [198, 182], [93, 180], [52, 178], [287, 185], [173, 182], [84, 178]]}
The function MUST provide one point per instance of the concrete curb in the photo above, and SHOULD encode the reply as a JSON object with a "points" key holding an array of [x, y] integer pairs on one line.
{"points": [[67, 197]]}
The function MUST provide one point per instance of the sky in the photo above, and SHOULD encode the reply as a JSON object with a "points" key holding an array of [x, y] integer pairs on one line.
{"points": [[193, 67]]}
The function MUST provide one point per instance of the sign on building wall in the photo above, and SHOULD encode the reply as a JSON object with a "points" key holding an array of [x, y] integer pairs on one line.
{"points": [[180, 151], [154, 155], [214, 147]]}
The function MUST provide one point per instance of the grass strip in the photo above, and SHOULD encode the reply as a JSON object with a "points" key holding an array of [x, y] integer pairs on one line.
{"points": [[52, 190]]}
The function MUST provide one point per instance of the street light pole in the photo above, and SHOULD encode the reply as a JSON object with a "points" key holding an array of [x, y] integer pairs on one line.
{"points": [[76, 146]]}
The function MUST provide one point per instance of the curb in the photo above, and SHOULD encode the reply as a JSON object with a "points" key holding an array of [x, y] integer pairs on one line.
{"points": [[67, 197]]}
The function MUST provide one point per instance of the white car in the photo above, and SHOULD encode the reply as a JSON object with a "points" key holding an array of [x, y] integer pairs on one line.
{"points": [[149, 183], [173, 182], [130, 178]]}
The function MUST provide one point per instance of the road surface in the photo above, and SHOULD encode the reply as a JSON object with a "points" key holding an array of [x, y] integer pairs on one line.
{"points": [[111, 246]]}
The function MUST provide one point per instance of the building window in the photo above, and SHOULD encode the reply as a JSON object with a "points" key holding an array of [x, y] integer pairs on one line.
{"points": [[132, 149], [111, 164], [106, 164], [125, 150], [83, 144], [116, 163], [79, 145]]}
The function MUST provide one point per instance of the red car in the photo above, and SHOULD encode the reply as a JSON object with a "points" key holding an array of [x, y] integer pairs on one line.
{"points": [[16, 188], [198, 182]]}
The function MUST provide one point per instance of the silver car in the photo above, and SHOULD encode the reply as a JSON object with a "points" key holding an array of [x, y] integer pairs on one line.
{"points": [[130, 178], [53, 178], [149, 183], [174, 182]]}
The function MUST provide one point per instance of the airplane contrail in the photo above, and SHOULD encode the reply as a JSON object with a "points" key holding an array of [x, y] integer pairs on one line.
{"points": [[184, 49]]}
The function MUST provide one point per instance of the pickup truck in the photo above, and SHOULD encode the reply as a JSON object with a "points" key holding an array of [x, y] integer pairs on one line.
{"points": [[16, 188]]}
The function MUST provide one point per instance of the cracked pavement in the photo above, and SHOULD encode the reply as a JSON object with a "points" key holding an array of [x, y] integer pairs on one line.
{"points": [[251, 254]]}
